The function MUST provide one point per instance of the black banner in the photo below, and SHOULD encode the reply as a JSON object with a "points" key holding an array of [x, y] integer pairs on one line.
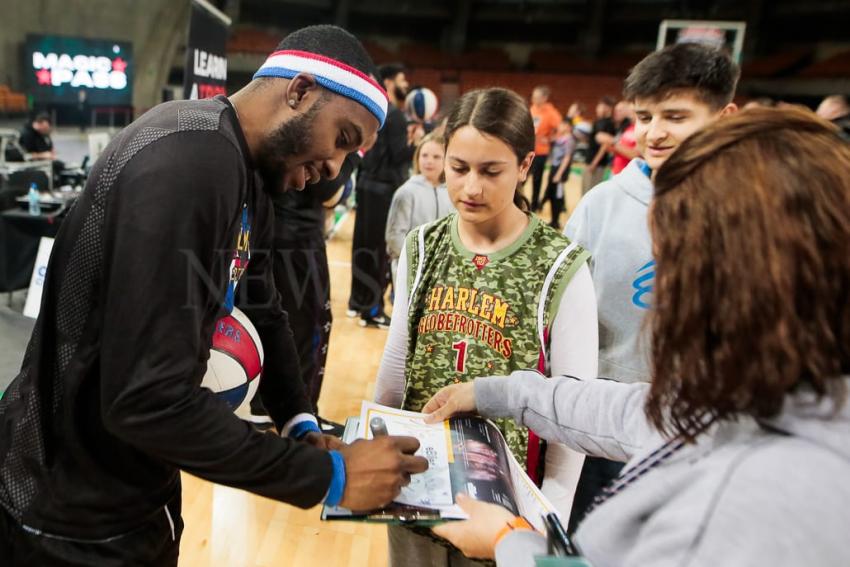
{"points": [[205, 74], [58, 69]]}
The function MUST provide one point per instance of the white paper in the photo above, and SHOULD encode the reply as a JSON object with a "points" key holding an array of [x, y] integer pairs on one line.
{"points": [[433, 488]]}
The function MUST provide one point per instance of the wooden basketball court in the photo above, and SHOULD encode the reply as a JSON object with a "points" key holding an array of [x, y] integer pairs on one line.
{"points": [[233, 528]]}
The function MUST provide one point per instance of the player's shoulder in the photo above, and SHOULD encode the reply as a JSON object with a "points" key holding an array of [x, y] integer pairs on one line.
{"points": [[200, 130], [207, 116]]}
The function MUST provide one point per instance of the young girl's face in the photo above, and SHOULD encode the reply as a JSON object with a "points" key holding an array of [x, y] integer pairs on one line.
{"points": [[482, 174], [431, 160]]}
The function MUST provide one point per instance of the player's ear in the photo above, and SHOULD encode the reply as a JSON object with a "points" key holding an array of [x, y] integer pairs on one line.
{"points": [[299, 88]]}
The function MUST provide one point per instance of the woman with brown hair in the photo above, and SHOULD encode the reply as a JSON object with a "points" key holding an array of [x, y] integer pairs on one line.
{"points": [[739, 450]]}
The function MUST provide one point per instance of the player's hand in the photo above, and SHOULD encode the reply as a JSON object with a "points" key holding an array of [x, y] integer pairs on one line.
{"points": [[556, 179], [476, 537], [376, 470], [321, 441], [449, 401]]}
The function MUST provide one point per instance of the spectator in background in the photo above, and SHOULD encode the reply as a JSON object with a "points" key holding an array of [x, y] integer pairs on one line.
{"points": [[83, 109], [597, 154], [623, 145], [35, 138], [581, 132], [563, 148], [384, 169], [302, 278], [760, 102], [36, 141], [546, 119], [576, 113], [422, 199], [836, 109]]}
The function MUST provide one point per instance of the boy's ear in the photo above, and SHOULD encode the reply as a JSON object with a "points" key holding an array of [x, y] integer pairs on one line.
{"points": [[730, 108]]}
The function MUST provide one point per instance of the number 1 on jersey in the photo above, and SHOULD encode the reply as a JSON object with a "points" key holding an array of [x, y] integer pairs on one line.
{"points": [[460, 359]]}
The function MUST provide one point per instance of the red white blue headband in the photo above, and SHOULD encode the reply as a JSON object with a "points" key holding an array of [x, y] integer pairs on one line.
{"points": [[333, 75]]}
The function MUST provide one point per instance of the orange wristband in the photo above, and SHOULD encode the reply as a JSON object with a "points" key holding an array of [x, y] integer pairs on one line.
{"points": [[518, 523]]}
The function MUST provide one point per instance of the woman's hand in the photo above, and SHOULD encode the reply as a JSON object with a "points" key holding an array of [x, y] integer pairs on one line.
{"points": [[476, 537], [449, 401]]}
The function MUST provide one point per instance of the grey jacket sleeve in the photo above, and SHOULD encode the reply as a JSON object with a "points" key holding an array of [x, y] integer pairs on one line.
{"points": [[518, 548], [601, 418], [399, 222], [579, 229]]}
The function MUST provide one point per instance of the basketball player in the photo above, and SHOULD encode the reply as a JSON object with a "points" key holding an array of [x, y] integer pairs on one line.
{"points": [[108, 406], [302, 278], [675, 92], [488, 290], [385, 167]]}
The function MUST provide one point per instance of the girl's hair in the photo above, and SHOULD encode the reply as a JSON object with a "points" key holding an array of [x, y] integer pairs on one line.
{"points": [[431, 137], [751, 233], [500, 113]]}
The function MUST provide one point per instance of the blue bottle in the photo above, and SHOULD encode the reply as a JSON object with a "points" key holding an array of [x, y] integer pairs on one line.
{"points": [[35, 206]]}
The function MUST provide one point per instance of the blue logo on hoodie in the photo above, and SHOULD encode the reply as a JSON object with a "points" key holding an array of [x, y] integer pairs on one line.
{"points": [[643, 285]]}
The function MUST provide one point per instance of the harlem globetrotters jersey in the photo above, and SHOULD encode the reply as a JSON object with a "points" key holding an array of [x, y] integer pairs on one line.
{"points": [[482, 315]]}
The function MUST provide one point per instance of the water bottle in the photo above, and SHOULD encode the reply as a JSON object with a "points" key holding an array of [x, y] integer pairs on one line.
{"points": [[35, 206]]}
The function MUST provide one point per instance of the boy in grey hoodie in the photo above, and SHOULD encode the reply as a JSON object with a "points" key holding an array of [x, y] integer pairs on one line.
{"points": [[675, 92]]}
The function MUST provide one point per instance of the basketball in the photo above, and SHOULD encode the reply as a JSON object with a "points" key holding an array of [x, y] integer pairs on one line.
{"points": [[421, 104], [236, 361]]}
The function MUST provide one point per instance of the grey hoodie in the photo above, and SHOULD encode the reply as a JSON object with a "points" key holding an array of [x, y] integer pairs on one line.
{"points": [[415, 203], [772, 493], [611, 222]]}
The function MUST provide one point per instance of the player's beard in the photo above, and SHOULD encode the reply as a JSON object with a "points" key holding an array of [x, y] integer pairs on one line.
{"points": [[292, 138], [400, 94]]}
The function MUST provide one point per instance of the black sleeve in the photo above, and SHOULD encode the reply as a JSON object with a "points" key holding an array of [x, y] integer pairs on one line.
{"points": [[27, 140], [281, 387], [167, 224], [395, 131]]}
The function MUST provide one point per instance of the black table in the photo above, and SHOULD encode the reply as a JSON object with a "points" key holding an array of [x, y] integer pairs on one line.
{"points": [[20, 234]]}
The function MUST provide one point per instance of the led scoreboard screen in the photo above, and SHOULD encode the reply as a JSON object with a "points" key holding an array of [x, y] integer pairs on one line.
{"points": [[57, 68]]}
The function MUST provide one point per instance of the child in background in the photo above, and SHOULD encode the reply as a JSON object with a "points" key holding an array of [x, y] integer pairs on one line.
{"points": [[561, 159], [421, 199]]}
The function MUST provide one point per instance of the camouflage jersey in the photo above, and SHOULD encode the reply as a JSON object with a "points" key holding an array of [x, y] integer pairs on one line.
{"points": [[474, 315]]}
